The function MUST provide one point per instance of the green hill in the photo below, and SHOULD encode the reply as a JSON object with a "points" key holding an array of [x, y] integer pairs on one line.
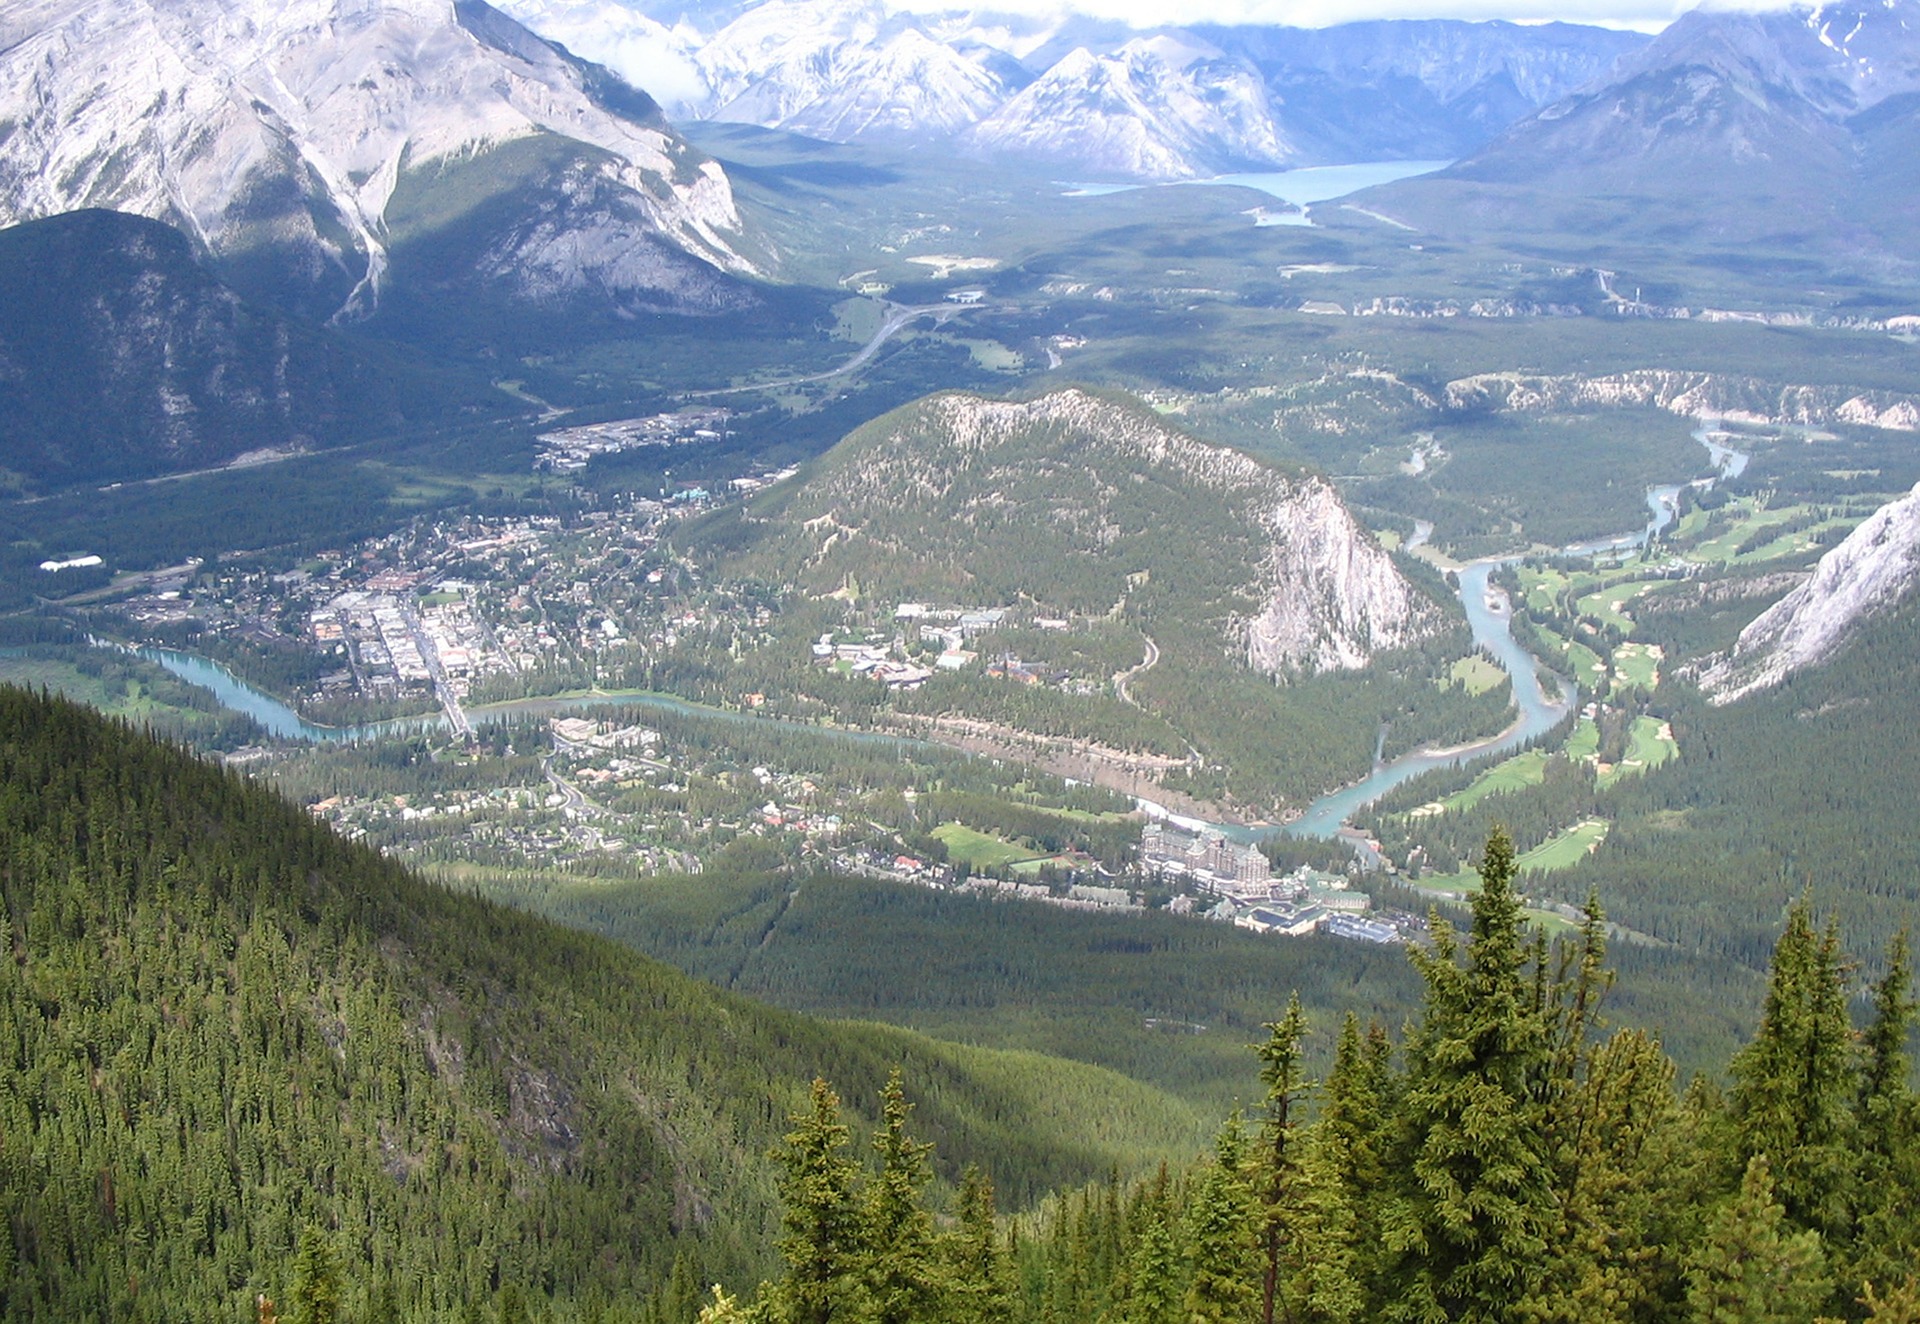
{"points": [[222, 1026], [1214, 625]]}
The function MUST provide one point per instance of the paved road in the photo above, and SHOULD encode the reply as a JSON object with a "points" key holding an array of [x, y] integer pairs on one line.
{"points": [[1148, 663], [442, 687], [898, 316], [569, 793]]}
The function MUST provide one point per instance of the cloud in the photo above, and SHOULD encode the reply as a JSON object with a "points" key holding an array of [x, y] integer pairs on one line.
{"points": [[644, 52]]}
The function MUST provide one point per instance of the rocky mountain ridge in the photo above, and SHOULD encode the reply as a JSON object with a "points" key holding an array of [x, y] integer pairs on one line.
{"points": [[1157, 108], [278, 135], [1736, 398], [123, 358], [1867, 573]]}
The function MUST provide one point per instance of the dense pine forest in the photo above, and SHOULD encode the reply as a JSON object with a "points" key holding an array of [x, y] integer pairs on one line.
{"points": [[235, 1044], [252, 1070]]}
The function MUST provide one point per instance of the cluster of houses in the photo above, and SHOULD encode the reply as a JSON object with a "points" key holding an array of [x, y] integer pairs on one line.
{"points": [[877, 660], [1243, 890], [567, 450], [887, 660]]}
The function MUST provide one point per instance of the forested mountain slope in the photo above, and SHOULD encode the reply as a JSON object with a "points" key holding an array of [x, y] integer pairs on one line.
{"points": [[123, 357], [1231, 597], [222, 1026]]}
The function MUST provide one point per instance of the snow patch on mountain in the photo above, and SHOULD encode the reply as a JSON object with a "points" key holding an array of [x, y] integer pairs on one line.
{"points": [[1175, 102], [843, 72], [645, 52], [1876, 565]]}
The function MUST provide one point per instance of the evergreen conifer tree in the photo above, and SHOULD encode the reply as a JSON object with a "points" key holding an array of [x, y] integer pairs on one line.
{"points": [[823, 1228], [1900, 1305], [1278, 1163], [1220, 1229], [980, 1277], [1342, 1177], [1795, 1085], [1754, 1266], [897, 1253], [1886, 1218], [1469, 1224], [315, 1294], [1153, 1261], [725, 1309]]}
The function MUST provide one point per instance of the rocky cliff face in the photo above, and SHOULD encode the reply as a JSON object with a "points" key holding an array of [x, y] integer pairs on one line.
{"points": [[1692, 394], [1331, 598], [122, 357], [276, 132], [1869, 572], [1091, 505]]}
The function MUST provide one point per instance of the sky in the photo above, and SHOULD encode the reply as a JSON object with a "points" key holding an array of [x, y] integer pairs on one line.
{"points": [[1641, 15]]}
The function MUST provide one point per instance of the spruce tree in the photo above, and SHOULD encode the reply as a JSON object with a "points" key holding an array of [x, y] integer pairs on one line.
{"points": [[1754, 1266], [897, 1254], [1342, 1177], [725, 1309], [1898, 1305], [315, 1294], [823, 1228], [1278, 1162], [1220, 1229], [1886, 1222], [1620, 1160], [1153, 1261], [1468, 1226], [980, 1278], [1795, 1085]]}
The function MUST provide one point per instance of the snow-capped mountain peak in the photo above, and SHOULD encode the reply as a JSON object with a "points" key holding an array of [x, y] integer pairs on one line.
{"points": [[1154, 109], [843, 71], [1091, 97]]}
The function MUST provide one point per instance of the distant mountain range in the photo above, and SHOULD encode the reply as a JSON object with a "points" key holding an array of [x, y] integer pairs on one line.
{"points": [[324, 151], [1091, 97], [1796, 130]]}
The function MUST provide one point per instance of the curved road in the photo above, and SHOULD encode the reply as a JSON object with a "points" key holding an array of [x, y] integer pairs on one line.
{"points": [[897, 318], [571, 796], [1148, 663]]}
